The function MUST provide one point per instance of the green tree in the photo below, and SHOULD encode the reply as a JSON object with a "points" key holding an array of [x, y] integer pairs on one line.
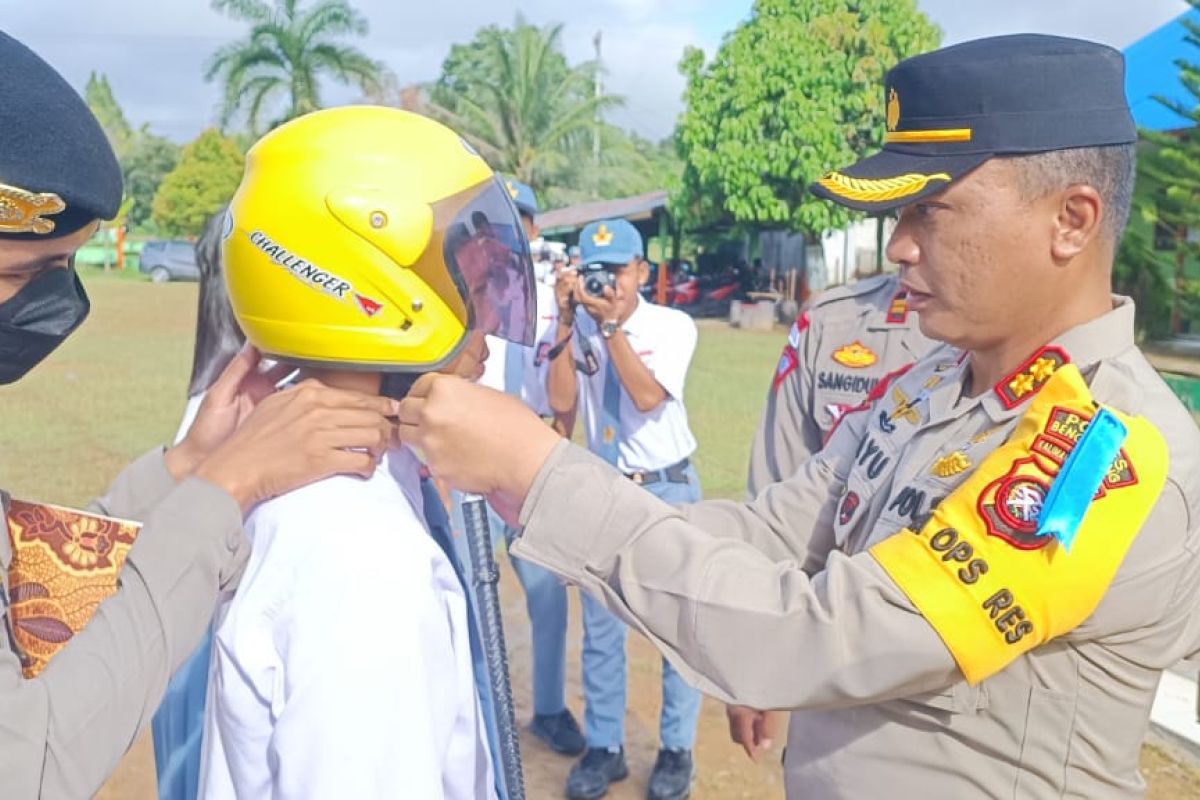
{"points": [[285, 55], [794, 91], [204, 180], [1163, 237], [99, 98], [511, 93], [149, 160]]}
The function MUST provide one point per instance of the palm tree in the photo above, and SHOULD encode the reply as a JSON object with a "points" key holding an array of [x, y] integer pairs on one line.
{"points": [[285, 55], [513, 96]]}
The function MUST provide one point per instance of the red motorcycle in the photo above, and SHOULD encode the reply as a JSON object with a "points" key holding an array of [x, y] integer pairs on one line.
{"points": [[688, 291]]}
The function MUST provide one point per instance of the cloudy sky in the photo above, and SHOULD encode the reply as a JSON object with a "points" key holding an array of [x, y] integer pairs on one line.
{"points": [[154, 51]]}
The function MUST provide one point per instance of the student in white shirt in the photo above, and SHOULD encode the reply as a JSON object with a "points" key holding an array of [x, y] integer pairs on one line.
{"points": [[178, 723], [520, 371], [623, 361], [365, 246]]}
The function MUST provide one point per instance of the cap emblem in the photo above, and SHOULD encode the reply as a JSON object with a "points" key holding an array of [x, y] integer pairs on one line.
{"points": [[893, 110], [877, 190], [512, 190], [22, 211], [603, 236]]}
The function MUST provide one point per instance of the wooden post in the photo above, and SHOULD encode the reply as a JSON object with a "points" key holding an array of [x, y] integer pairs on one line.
{"points": [[120, 246], [664, 264]]}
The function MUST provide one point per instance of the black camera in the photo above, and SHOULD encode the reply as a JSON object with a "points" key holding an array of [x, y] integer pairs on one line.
{"points": [[595, 277]]}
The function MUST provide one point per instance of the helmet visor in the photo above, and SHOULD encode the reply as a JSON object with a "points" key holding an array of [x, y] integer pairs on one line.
{"points": [[487, 254]]}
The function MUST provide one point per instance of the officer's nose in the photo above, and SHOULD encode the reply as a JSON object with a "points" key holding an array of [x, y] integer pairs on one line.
{"points": [[902, 247]]}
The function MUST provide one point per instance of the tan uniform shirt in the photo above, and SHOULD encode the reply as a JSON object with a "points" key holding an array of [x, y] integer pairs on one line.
{"points": [[776, 603], [838, 350], [63, 732]]}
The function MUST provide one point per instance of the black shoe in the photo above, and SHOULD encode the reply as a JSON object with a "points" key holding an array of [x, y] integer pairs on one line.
{"points": [[672, 776], [589, 779], [560, 731]]}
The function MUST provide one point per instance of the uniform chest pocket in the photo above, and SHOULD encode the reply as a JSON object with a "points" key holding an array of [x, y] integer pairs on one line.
{"points": [[961, 698]]}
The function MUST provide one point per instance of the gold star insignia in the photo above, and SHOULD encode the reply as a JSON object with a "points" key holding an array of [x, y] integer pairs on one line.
{"points": [[1021, 385]]}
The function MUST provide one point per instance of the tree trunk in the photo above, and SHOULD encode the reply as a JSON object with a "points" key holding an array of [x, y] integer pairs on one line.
{"points": [[1176, 301]]}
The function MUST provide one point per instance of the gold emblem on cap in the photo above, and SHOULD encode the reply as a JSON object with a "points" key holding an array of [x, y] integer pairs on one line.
{"points": [[512, 190], [22, 211], [603, 236], [893, 110], [878, 190]]}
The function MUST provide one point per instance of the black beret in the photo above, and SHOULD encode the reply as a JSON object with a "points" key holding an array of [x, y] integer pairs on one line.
{"points": [[950, 110], [57, 170]]}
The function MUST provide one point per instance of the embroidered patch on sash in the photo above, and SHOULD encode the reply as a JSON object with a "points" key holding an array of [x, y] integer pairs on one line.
{"points": [[1010, 505]]}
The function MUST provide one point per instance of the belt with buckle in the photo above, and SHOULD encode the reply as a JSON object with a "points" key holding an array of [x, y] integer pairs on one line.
{"points": [[676, 473]]}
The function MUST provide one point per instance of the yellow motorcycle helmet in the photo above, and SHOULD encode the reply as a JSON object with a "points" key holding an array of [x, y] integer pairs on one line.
{"points": [[373, 238]]}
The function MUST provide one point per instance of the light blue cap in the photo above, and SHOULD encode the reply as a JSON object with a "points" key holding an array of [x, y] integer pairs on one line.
{"points": [[522, 196], [610, 241]]}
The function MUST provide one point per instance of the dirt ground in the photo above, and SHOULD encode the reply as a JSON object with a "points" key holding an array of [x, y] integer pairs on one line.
{"points": [[724, 772]]}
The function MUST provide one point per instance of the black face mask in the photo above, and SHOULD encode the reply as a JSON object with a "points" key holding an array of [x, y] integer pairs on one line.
{"points": [[38, 318]]}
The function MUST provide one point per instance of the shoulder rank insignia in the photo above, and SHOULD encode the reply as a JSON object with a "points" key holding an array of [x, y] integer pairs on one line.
{"points": [[1027, 379], [22, 211], [898, 309], [855, 355]]}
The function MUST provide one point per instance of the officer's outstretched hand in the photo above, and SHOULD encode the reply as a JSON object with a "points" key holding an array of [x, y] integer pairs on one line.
{"points": [[239, 388], [255, 442], [476, 439]]}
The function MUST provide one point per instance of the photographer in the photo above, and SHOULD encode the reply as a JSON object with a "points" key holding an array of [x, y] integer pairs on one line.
{"points": [[624, 362]]}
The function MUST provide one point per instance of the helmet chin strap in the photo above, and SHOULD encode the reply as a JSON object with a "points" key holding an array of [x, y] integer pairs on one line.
{"points": [[396, 385]]}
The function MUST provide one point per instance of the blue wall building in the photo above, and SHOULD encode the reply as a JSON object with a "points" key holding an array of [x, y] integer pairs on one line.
{"points": [[1150, 70]]}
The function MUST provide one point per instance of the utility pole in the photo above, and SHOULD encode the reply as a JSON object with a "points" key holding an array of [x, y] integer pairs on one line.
{"points": [[599, 94]]}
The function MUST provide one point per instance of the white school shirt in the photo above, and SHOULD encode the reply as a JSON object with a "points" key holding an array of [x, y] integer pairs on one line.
{"points": [[533, 385], [664, 339], [342, 665]]}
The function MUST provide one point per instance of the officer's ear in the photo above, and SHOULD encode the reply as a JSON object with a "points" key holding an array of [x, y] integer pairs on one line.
{"points": [[643, 271], [1077, 223]]}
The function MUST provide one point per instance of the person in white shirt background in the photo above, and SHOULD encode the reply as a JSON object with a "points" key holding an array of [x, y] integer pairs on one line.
{"points": [[624, 361], [364, 245], [521, 372]]}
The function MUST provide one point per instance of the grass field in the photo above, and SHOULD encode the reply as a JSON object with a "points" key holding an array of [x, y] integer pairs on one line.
{"points": [[117, 388]]}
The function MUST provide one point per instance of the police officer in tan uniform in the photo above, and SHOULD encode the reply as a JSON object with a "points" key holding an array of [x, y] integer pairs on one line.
{"points": [[842, 345], [846, 341], [63, 732], [973, 589]]}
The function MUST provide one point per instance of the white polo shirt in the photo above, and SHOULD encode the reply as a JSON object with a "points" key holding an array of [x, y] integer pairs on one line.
{"points": [[342, 665], [664, 339]]}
